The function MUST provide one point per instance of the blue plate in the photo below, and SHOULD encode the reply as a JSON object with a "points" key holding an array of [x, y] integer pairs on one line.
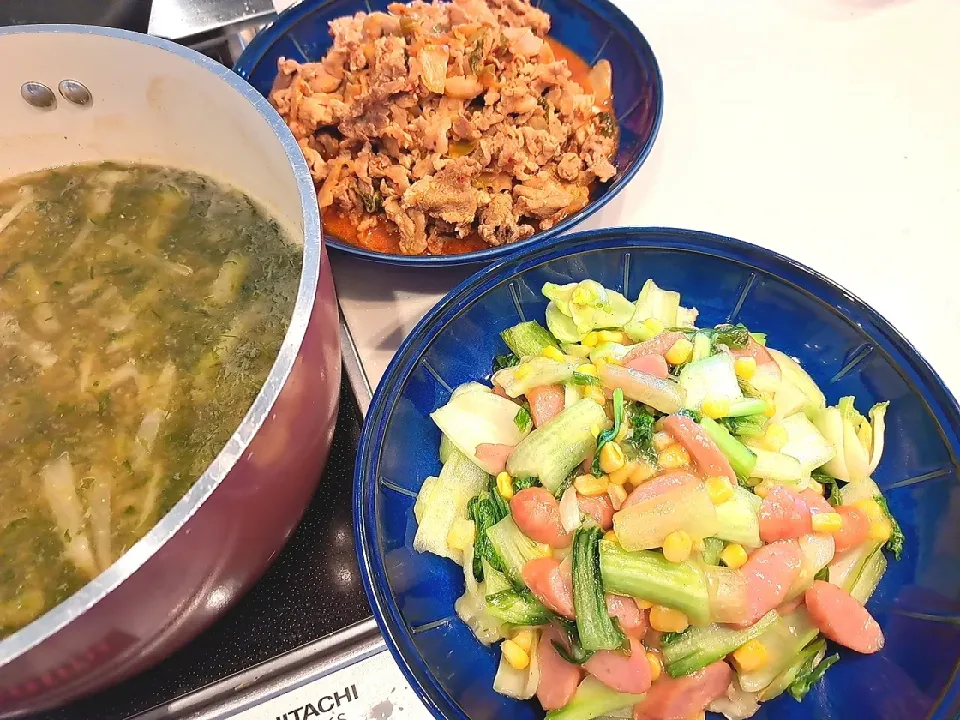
{"points": [[849, 350], [594, 29]]}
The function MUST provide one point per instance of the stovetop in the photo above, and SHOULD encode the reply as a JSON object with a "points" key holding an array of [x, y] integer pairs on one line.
{"points": [[312, 591]]}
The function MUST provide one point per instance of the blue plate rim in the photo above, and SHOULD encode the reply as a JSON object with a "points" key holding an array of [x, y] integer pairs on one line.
{"points": [[399, 638], [253, 54]]}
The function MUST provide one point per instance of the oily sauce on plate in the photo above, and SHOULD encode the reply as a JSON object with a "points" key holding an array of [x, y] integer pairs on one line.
{"points": [[385, 238]]}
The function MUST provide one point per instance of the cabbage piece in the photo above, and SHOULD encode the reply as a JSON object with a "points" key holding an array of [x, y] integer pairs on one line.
{"points": [[859, 442], [477, 418], [531, 373], [783, 641], [657, 304], [792, 372], [590, 305], [471, 607], [817, 552], [442, 501], [713, 377], [736, 703], [60, 492], [805, 443], [609, 352], [561, 326], [519, 684], [645, 524]]}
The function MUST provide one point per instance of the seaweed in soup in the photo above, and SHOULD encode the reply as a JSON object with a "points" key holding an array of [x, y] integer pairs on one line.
{"points": [[141, 309]]}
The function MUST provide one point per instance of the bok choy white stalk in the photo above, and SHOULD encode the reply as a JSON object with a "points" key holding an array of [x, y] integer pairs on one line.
{"points": [[479, 418], [858, 441], [519, 684]]}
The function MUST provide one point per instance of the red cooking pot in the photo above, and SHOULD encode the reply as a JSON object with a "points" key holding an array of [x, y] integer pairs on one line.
{"points": [[153, 101]]}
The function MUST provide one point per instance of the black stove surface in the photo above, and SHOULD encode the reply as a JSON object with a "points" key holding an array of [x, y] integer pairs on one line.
{"points": [[312, 590]]}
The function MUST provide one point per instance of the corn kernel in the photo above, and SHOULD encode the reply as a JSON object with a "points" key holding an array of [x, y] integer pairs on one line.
{"points": [[523, 640], [734, 556], [505, 485], [881, 531], [621, 476], [745, 367], [643, 604], [591, 485], [656, 665], [872, 510], [775, 437], [680, 352], [642, 472], [596, 394], [623, 433], [664, 619], [611, 457], [599, 364], [523, 372], [719, 488], [674, 456], [617, 494], [652, 327], [677, 546], [829, 522], [751, 656], [613, 336], [591, 339], [516, 656], [552, 353], [610, 536], [770, 410], [715, 407], [816, 487], [595, 430], [587, 369], [662, 440], [462, 534]]}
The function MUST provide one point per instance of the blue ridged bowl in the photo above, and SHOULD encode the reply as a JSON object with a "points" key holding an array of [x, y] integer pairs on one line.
{"points": [[849, 350], [594, 29]]}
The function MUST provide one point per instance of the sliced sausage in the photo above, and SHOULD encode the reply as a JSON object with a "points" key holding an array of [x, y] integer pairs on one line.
{"points": [[493, 457], [855, 528], [650, 364], [769, 573], [558, 678], [598, 507], [658, 345], [619, 671], [546, 402], [660, 485], [550, 585], [704, 451], [842, 619], [783, 515], [758, 352], [684, 697], [815, 502], [537, 514], [633, 620]]}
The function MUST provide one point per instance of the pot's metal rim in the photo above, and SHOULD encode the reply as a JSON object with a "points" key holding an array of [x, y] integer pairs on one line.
{"points": [[55, 619]]}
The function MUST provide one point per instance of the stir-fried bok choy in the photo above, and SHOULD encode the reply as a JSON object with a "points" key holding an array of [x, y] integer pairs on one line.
{"points": [[657, 515]]}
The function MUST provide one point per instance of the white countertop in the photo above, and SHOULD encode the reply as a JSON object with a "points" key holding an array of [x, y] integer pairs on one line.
{"points": [[827, 130]]}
